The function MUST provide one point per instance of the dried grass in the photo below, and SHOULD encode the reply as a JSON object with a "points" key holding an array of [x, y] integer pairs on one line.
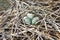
{"points": [[47, 28]]}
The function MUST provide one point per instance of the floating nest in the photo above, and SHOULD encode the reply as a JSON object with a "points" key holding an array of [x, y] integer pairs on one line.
{"points": [[12, 26]]}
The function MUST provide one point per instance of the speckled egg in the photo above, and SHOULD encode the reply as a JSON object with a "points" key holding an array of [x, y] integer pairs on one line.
{"points": [[35, 19], [27, 20], [30, 15]]}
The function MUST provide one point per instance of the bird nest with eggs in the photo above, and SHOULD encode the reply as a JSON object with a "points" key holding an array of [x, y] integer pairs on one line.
{"points": [[30, 20]]}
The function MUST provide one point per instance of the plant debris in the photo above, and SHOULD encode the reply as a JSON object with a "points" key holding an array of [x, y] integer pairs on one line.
{"points": [[12, 26]]}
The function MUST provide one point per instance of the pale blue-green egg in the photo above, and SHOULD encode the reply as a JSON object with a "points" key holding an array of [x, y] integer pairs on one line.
{"points": [[30, 15], [35, 19], [27, 20]]}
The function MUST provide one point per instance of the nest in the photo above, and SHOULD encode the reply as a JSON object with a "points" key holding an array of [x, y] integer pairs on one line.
{"points": [[12, 26]]}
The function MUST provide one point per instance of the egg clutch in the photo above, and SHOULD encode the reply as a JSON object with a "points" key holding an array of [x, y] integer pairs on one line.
{"points": [[30, 19]]}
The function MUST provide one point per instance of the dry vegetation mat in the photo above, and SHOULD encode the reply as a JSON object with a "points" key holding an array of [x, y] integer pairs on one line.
{"points": [[13, 27]]}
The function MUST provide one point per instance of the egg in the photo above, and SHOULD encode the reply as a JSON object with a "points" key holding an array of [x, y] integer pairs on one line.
{"points": [[27, 20], [35, 19], [30, 15]]}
